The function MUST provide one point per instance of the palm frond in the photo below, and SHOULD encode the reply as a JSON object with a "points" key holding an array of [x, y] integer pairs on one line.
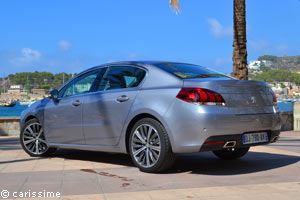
{"points": [[175, 6]]}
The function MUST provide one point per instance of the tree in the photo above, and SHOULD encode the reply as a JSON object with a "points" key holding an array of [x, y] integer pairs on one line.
{"points": [[239, 58], [269, 58], [45, 87], [175, 5]]}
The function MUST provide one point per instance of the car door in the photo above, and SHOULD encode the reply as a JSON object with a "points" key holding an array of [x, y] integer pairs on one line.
{"points": [[63, 119], [105, 110]]}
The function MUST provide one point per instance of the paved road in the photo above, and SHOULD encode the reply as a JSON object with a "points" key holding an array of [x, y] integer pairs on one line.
{"points": [[267, 172]]}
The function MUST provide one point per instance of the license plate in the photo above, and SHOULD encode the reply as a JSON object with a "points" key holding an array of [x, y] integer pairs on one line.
{"points": [[252, 138]]}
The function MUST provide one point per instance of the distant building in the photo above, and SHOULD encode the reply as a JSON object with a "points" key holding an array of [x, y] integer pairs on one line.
{"points": [[256, 64], [267, 63], [15, 89], [276, 88], [297, 93]]}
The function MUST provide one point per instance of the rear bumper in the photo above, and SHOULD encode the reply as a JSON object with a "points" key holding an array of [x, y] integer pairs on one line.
{"points": [[272, 136], [189, 126]]}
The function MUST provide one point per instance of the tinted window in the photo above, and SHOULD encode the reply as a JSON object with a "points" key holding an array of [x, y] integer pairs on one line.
{"points": [[81, 85], [185, 71], [117, 77]]}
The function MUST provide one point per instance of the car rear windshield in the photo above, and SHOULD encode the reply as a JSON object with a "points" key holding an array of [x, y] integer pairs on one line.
{"points": [[186, 71]]}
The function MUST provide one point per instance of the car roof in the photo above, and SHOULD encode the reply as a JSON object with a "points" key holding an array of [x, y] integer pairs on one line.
{"points": [[136, 62], [150, 62]]}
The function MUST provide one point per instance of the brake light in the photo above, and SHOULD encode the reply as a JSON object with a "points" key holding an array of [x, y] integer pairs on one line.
{"points": [[274, 98], [201, 96]]}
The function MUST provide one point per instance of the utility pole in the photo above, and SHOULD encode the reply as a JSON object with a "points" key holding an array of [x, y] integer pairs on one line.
{"points": [[63, 78]]}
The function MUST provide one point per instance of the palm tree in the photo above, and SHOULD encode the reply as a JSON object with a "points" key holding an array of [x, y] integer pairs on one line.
{"points": [[239, 57]]}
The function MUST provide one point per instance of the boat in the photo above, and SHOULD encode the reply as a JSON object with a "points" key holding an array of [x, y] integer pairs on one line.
{"points": [[12, 104], [287, 100], [25, 103]]}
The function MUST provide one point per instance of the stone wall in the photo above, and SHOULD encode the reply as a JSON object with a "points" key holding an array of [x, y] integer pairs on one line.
{"points": [[9, 126], [286, 121], [296, 115]]}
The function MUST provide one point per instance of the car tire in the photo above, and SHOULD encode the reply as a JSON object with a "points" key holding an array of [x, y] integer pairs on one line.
{"points": [[230, 154], [157, 146], [32, 136]]}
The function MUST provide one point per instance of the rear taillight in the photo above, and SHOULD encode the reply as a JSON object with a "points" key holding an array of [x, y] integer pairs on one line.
{"points": [[274, 98], [201, 96]]}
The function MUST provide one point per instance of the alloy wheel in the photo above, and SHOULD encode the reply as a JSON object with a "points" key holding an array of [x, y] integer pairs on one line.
{"points": [[146, 145], [34, 139]]}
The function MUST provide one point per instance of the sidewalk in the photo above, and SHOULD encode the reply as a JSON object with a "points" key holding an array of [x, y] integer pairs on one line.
{"points": [[267, 172]]}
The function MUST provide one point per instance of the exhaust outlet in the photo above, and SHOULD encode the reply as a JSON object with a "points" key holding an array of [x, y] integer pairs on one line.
{"points": [[229, 144], [275, 139]]}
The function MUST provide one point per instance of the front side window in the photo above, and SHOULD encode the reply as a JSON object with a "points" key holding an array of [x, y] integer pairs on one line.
{"points": [[81, 85], [118, 77]]}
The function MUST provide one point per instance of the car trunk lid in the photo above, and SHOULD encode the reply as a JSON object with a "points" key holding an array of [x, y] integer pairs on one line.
{"points": [[242, 97]]}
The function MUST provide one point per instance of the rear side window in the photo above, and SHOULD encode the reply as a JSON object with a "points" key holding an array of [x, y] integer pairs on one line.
{"points": [[117, 77], [185, 71]]}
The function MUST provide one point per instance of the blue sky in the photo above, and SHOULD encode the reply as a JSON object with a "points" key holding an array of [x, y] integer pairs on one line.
{"points": [[72, 35]]}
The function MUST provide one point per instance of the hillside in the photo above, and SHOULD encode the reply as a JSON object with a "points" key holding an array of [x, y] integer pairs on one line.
{"points": [[290, 63], [276, 76], [43, 80]]}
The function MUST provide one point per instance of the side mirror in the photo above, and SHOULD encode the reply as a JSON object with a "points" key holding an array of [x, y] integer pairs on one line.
{"points": [[53, 94]]}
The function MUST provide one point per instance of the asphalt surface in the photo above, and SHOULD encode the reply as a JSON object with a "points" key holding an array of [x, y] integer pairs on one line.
{"points": [[266, 172]]}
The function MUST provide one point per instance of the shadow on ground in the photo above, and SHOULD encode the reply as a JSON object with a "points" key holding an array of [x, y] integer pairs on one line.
{"points": [[195, 163], [206, 163], [101, 157]]}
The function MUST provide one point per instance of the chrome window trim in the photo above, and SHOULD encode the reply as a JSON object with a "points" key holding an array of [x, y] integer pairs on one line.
{"points": [[126, 65], [74, 78]]}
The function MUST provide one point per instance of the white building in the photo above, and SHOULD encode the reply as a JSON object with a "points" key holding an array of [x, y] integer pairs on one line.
{"points": [[14, 89], [256, 64]]}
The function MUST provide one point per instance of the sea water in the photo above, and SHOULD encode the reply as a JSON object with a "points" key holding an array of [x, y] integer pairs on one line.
{"points": [[14, 111]]}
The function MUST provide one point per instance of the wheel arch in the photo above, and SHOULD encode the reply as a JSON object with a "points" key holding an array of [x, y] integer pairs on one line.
{"points": [[30, 117], [136, 119], [24, 120]]}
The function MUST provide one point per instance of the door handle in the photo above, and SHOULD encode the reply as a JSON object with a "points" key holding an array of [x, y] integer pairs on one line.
{"points": [[122, 98], [76, 103]]}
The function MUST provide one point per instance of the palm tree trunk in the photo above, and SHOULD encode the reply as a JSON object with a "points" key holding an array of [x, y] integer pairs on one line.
{"points": [[239, 58]]}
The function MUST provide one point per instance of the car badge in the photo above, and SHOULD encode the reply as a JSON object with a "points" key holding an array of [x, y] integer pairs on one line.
{"points": [[253, 100]]}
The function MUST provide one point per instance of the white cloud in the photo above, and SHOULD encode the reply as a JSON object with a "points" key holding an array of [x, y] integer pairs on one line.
{"points": [[64, 45], [27, 59], [26, 56], [218, 30]]}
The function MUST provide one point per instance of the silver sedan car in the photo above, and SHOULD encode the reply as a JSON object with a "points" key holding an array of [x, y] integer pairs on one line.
{"points": [[152, 111]]}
